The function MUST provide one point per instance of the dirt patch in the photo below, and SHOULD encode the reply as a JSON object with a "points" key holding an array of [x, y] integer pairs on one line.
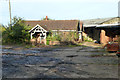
{"points": [[91, 44]]}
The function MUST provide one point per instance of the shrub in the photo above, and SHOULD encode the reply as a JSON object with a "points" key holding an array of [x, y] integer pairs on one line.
{"points": [[53, 37], [17, 32], [68, 37]]}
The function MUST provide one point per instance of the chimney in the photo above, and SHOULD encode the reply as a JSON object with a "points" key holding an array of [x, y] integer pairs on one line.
{"points": [[46, 18]]}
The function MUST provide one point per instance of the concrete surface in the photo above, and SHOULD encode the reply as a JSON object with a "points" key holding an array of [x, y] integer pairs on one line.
{"points": [[60, 62]]}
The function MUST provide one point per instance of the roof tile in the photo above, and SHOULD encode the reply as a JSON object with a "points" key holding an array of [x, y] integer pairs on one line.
{"points": [[55, 24]]}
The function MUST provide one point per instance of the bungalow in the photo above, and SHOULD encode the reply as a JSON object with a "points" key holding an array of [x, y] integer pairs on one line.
{"points": [[102, 30], [40, 29]]}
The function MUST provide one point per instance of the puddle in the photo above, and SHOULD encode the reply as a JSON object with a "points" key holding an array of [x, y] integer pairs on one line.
{"points": [[72, 56]]}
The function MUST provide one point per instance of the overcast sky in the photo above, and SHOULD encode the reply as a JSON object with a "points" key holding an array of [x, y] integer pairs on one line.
{"points": [[58, 9]]}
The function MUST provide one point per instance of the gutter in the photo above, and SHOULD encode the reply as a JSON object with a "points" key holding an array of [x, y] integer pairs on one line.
{"points": [[89, 26], [109, 26]]}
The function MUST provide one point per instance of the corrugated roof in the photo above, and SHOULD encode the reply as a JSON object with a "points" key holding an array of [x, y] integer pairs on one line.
{"points": [[96, 21], [55, 24]]}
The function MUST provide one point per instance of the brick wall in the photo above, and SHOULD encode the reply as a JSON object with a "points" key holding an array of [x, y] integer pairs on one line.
{"points": [[37, 41], [103, 38], [54, 43], [107, 37]]}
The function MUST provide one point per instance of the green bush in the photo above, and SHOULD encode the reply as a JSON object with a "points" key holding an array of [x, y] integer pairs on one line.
{"points": [[47, 42], [59, 36], [17, 32], [53, 37]]}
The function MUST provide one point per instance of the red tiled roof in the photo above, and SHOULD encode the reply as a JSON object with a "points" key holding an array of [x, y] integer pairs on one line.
{"points": [[55, 24]]}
